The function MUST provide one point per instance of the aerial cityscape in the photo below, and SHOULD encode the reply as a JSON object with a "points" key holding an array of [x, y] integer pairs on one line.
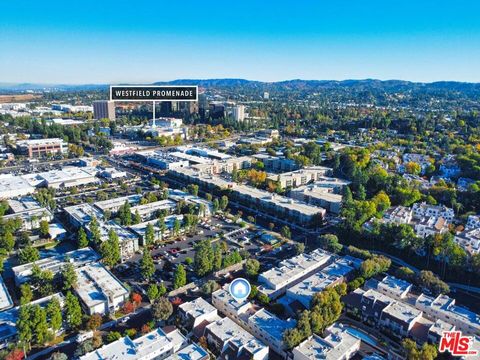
{"points": [[169, 208]]}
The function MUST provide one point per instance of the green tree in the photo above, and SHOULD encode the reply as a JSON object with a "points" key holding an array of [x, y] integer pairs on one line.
{"points": [[44, 227], [203, 259], [161, 309], [152, 292], [137, 219], [39, 324], [179, 277], [330, 243], [26, 294], [252, 267], [209, 287], [7, 241], [217, 258], [110, 249], [28, 255], [69, 276], [299, 248], [95, 230], [147, 267], [223, 203], [24, 325], [286, 233], [149, 234], [82, 240], [177, 225], [54, 314], [113, 336], [73, 311]]}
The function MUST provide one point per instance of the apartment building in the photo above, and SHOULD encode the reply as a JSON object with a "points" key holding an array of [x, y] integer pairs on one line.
{"points": [[301, 177], [274, 282], [99, 290]]}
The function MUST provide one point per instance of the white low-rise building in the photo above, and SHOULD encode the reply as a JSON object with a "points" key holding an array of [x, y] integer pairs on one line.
{"points": [[228, 338], [443, 307], [55, 264], [421, 210], [100, 291], [194, 313], [318, 196], [274, 282], [13, 186], [5, 299], [81, 215], [301, 177], [338, 344], [156, 345]]}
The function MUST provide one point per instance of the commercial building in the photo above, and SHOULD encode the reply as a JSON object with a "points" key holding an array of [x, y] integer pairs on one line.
{"points": [[275, 207], [231, 341], [69, 176], [178, 195], [112, 174], [100, 291], [156, 345], [163, 160], [274, 282], [36, 148], [104, 109], [55, 264], [338, 344], [301, 177], [13, 186]]}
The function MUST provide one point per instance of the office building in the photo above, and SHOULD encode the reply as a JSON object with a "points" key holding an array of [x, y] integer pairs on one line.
{"points": [[36, 148], [104, 109], [238, 112]]}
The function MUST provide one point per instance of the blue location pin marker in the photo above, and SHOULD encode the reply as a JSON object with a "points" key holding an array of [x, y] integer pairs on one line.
{"points": [[240, 289]]}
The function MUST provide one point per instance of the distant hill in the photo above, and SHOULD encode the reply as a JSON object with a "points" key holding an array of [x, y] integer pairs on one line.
{"points": [[296, 85]]}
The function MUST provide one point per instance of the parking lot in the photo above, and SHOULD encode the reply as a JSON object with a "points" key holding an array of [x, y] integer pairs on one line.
{"points": [[175, 251]]}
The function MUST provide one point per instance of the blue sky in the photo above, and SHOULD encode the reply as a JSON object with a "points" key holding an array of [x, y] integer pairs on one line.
{"points": [[141, 41]]}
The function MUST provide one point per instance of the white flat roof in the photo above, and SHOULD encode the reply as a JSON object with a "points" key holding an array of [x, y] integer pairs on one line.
{"points": [[140, 348], [12, 186], [95, 285], [5, 299], [197, 307]]}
